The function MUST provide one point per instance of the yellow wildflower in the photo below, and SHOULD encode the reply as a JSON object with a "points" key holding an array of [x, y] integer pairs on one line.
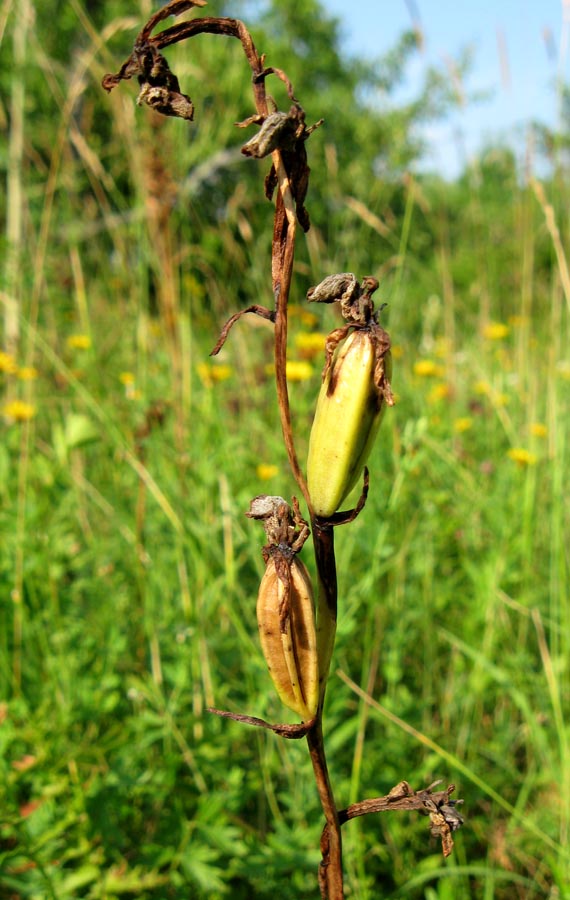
{"points": [[462, 424], [439, 392], [221, 372], [27, 373], [427, 368], [483, 388], [204, 372], [209, 374], [19, 411], [442, 348], [79, 341], [500, 399], [308, 319], [128, 380], [495, 331], [397, 351], [521, 456], [266, 471], [310, 343], [299, 370], [7, 363], [538, 429], [305, 317]]}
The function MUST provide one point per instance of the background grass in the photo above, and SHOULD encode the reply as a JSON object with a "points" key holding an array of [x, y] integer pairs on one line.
{"points": [[128, 572]]}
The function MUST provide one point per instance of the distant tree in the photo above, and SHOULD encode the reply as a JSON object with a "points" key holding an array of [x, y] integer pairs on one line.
{"points": [[205, 187]]}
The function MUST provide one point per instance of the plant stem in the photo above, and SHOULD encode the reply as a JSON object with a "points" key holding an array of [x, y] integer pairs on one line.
{"points": [[330, 869], [323, 542], [14, 184], [292, 183], [283, 253], [330, 872]]}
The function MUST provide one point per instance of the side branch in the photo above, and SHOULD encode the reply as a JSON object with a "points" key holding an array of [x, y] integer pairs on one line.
{"points": [[442, 811], [330, 868], [292, 732], [262, 311]]}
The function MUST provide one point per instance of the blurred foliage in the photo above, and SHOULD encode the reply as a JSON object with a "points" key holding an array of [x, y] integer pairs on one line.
{"points": [[128, 572]]}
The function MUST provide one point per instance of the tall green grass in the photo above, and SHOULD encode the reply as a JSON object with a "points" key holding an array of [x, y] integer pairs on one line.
{"points": [[129, 572]]}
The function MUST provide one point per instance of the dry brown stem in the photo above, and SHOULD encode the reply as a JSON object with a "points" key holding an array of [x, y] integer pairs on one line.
{"points": [[283, 136]]}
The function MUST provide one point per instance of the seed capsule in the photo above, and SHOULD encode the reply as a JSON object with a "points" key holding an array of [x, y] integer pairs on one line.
{"points": [[350, 406], [286, 620]]}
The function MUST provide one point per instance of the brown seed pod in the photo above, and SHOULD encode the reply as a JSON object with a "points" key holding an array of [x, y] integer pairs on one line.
{"points": [[286, 621], [285, 606]]}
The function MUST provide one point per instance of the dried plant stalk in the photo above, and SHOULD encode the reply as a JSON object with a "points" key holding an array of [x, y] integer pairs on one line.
{"points": [[282, 136]]}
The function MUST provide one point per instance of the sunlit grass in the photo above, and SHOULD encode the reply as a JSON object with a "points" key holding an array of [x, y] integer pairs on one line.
{"points": [[129, 571]]}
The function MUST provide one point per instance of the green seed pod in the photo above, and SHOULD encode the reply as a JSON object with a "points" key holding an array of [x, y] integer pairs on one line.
{"points": [[286, 620], [350, 406]]}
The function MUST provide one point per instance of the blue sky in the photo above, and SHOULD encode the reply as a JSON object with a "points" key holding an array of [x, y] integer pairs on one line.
{"points": [[520, 52]]}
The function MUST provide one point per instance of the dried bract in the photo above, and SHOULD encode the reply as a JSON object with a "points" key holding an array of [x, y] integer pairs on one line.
{"points": [[333, 288], [287, 133], [159, 87], [278, 132]]}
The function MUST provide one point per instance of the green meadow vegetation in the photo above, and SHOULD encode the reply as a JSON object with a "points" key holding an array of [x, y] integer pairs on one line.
{"points": [[128, 570]]}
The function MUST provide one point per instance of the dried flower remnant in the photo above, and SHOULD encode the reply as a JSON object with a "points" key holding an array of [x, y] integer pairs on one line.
{"points": [[287, 133], [159, 87], [342, 288], [444, 816]]}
